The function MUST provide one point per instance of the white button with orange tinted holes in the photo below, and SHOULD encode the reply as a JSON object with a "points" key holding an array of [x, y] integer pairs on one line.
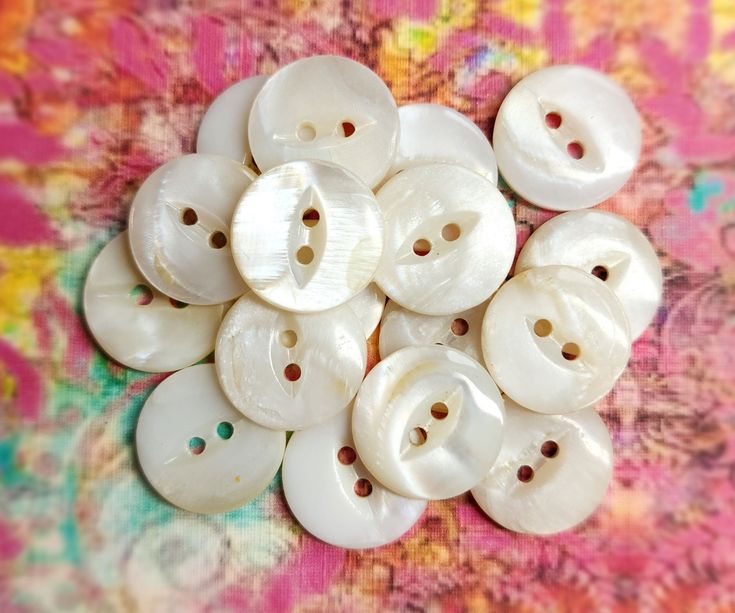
{"points": [[552, 471], [555, 339], [200, 453], [289, 371], [307, 236], [449, 239], [368, 305], [332, 494], [326, 108], [403, 328], [224, 127], [428, 422], [180, 228], [138, 326], [609, 247], [567, 137]]}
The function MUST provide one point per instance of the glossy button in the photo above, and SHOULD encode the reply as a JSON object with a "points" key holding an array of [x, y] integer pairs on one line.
{"points": [[403, 328], [449, 239], [431, 133], [552, 471], [368, 305], [307, 236], [138, 326], [561, 329], [180, 228], [197, 451], [609, 247], [326, 108], [428, 422], [287, 371], [224, 127], [332, 494], [567, 137]]}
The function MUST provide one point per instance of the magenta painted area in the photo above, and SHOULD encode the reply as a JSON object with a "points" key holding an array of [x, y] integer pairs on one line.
{"points": [[209, 53], [10, 545], [420, 10], [21, 142], [27, 399], [23, 224], [137, 52]]}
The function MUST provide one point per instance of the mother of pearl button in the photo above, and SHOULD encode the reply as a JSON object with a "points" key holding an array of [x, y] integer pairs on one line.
{"points": [[567, 137], [137, 325], [287, 371], [450, 239], [403, 328], [609, 247], [224, 127], [428, 422], [197, 451], [332, 494], [180, 225], [560, 328], [368, 305], [326, 108], [307, 236], [552, 471]]}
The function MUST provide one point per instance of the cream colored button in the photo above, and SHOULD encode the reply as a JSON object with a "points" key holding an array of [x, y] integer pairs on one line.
{"points": [[332, 494], [435, 134], [326, 108], [567, 137], [449, 239], [368, 305], [287, 371], [555, 339], [197, 451], [224, 127], [180, 228], [552, 471], [307, 236], [137, 325], [428, 422], [609, 247], [403, 328]]}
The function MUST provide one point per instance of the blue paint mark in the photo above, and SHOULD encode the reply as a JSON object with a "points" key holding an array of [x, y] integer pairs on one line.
{"points": [[702, 191]]}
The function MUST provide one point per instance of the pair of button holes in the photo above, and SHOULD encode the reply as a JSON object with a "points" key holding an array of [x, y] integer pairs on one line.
{"points": [[569, 351], [451, 232], [418, 436], [143, 296], [197, 444], [217, 239], [549, 449], [288, 339], [363, 487], [305, 254], [306, 132], [575, 150]]}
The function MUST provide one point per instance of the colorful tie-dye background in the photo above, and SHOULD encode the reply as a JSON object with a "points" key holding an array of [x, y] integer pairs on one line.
{"points": [[94, 94]]}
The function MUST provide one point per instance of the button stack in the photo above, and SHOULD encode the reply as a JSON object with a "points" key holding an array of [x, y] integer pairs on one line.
{"points": [[312, 197]]}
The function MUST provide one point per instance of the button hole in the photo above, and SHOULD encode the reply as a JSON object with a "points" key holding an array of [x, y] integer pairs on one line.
{"points": [[292, 372], [306, 132], [346, 455], [600, 272], [305, 255], [550, 449], [196, 445], [189, 217], [553, 120], [225, 430], [142, 294], [288, 338], [439, 410], [421, 247], [348, 129], [451, 232], [217, 240], [310, 217], [575, 150], [542, 327], [177, 304], [525, 474], [363, 487], [460, 327], [570, 351], [417, 436]]}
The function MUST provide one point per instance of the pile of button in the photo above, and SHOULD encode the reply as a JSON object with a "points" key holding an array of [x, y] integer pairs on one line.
{"points": [[359, 199]]}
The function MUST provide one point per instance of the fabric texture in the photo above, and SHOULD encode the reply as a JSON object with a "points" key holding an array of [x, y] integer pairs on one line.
{"points": [[95, 94]]}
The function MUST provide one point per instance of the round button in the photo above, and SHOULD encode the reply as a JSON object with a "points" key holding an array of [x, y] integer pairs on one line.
{"points": [[428, 422], [307, 236], [287, 371], [609, 247], [431, 133], [368, 305], [552, 471], [403, 328], [180, 226], [561, 328], [567, 137], [326, 108], [334, 497], [449, 239], [197, 451], [138, 326], [224, 127]]}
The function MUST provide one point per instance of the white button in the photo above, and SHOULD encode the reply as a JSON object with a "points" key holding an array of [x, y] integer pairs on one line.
{"points": [[224, 127], [332, 494], [609, 247], [197, 451], [307, 236], [368, 305], [552, 471], [326, 108], [287, 371], [403, 328], [555, 339], [431, 133], [449, 239], [567, 137], [137, 325], [428, 422], [180, 228]]}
